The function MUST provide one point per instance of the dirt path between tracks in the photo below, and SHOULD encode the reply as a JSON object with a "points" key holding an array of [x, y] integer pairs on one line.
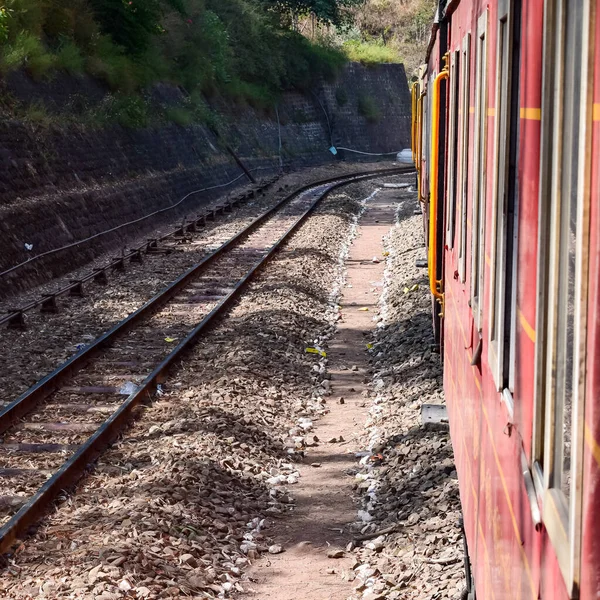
{"points": [[376, 513], [314, 539]]}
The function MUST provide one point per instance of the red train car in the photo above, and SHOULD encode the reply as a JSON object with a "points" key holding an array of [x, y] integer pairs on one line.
{"points": [[507, 147]]}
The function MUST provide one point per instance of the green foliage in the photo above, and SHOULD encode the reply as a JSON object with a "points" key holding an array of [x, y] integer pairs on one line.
{"points": [[41, 65], [15, 54], [193, 110], [109, 62], [367, 107], [253, 94], [24, 16], [27, 51], [130, 23], [4, 25], [256, 55], [179, 115], [330, 12], [401, 25], [369, 53], [306, 63], [129, 111], [203, 113], [201, 52], [36, 114], [69, 58], [234, 48]]}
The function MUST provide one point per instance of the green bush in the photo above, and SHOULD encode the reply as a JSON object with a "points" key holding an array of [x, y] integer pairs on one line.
{"points": [[25, 17], [37, 114], [41, 65], [306, 63], [255, 95], [69, 58], [131, 24], [255, 42], [86, 29], [233, 48], [128, 111], [369, 53], [109, 63], [15, 54], [368, 108], [27, 51], [205, 57], [4, 25], [179, 115], [203, 113]]}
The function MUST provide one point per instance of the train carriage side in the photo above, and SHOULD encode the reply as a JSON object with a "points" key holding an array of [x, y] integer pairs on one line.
{"points": [[516, 228], [590, 562]]}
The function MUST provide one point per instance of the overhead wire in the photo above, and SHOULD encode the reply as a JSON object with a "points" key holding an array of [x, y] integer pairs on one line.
{"points": [[122, 225]]}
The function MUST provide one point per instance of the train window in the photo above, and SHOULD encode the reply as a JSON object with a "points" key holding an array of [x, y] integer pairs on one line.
{"points": [[462, 178], [479, 173], [563, 276], [452, 143], [503, 254], [426, 142], [428, 112]]}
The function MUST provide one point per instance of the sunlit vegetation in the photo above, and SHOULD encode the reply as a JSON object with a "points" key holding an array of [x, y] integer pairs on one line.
{"points": [[379, 31], [370, 53], [401, 26], [246, 50]]}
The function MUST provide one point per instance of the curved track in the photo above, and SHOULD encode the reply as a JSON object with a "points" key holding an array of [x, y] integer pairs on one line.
{"points": [[59, 426], [166, 243]]}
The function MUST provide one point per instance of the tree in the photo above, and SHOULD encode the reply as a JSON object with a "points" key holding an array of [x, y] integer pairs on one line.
{"points": [[132, 24], [404, 25], [330, 12]]}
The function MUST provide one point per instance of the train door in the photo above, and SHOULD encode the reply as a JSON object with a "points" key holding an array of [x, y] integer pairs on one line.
{"points": [[441, 185]]}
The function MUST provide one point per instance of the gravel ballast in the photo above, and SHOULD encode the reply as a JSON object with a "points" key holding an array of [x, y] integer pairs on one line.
{"points": [[199, 487], [407, 481], [187, 498], [50, 339]]}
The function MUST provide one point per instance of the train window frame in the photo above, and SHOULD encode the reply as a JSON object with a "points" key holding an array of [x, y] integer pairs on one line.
{"points": [[503, 242], [562, 515], [479, 167], [453, 104], [426, 120], [463, 176]]}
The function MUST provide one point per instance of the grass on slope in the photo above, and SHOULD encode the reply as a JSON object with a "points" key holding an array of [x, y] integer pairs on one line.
{"points": [[369, 53]]}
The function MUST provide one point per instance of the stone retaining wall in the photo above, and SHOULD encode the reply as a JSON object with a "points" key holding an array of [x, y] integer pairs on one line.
{"points": [[59, 186]]}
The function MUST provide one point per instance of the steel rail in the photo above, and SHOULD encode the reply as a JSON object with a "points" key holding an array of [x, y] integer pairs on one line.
{"points": [[73, 468], [15, 316], [46, 386]]}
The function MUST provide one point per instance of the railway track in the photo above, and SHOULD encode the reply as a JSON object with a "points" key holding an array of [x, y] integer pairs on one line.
{"points": [[53, 431], [169, 242]]}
